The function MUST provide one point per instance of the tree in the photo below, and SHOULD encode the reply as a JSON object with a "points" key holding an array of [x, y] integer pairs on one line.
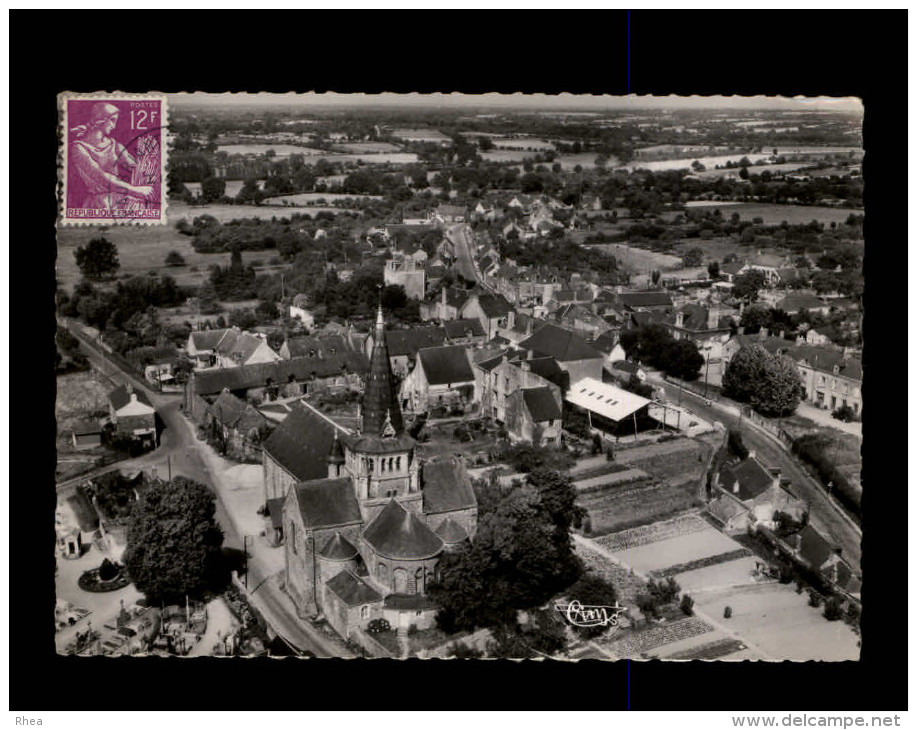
{"points": [[174, 258], [521, 556], [173, 542], [212, 189], [754, 318], [713, 269], [748, 285], [693, 257], [682, 359], [98, 259], [655, 276], [769, 383]]}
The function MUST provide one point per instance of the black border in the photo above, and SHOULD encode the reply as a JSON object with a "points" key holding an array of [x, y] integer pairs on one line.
{"points": [[822, 52]]}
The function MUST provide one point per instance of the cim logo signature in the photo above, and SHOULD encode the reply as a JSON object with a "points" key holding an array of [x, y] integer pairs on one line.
{"points": [[586, 616]]}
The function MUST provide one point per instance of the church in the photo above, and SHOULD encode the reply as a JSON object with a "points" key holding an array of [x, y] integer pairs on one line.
{"points": [[363, 523]]}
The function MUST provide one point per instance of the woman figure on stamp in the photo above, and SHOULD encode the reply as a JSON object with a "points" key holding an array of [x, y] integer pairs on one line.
{"points": [[96, 156]]}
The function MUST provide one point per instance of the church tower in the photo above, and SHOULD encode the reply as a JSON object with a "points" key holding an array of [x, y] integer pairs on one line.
{"points": [[380, 457]]}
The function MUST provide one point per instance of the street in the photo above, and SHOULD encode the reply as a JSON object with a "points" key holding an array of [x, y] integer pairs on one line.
{"points": [[463, 238], [823, 513]]}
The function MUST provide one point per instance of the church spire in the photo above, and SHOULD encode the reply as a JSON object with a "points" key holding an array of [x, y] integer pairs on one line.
{"points": [[381, 413]]}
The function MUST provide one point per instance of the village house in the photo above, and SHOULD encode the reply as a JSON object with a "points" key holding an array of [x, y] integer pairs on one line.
{"points": [[467, 332], [442, 378], [831, 377], [449, 214], [238, 425], [813, 551], [571, 351], [403, 345], [281, 379], [159, 370], [535, 415], [748, 493], [707, 327], [311, 346], [624, 371], [445, 306], [580, 319], [237, 348], [201, 345], [491, 310], [509, 371], [608, 343], [86, 435], [797, 301], [643, 301], [132, 414], [407, 270]]}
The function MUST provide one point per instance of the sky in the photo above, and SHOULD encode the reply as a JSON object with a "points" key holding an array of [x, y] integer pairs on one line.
{"points": [[519, 102]]}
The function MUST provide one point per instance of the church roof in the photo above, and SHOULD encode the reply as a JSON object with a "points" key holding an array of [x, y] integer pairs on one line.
{"points": [[380, 399], [446, 486], [338, 547], [301, 443], [450, 532], [399, 534], [327, 503], [351, 590]]}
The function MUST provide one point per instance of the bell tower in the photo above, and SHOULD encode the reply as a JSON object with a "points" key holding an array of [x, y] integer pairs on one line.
{"points": [[381, 456]]}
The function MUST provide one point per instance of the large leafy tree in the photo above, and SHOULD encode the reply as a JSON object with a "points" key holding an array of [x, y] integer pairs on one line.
{"points": [[769, 383], [173, 542], [522, 554], [748, 285], [682, 359], [98, 259]]}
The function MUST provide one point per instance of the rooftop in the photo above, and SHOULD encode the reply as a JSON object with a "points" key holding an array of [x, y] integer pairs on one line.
{"points": [[605, 399], [327, 503], [752, 477], [563, 345], [445, 365], [352, 590], [446, 486], [541, 404], [400, 534]]}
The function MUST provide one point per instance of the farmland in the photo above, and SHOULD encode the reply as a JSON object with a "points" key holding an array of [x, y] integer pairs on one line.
{"points": [[638, 259], [142, 249], [708, 162], [280, 150], [298, 199], [774, 215]]}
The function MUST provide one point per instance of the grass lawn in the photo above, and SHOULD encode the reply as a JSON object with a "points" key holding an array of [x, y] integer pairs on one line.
{"points": [[638, 259]]}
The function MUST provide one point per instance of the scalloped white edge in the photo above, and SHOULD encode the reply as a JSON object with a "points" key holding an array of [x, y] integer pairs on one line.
{"points": [[62, 219]]}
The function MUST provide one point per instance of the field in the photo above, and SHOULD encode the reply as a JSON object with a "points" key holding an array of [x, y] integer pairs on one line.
{"points": [[708, 162], [677, 550], [232, 187], [639, 503], [307, 198], [776, 169], [773, 214], [638, 259], [280, 150], [366, 148], [142, 249]]}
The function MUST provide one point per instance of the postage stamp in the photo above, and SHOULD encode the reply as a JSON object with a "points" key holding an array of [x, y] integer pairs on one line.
{"points": [[113, 158]]}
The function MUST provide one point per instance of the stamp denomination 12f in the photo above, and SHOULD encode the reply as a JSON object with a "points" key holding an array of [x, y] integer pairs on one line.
{"points": [[114, 158]]}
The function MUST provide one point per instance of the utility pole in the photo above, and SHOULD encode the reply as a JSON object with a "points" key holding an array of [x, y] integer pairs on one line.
{"points": [[169, 462], [706, 370], [245, 550]]}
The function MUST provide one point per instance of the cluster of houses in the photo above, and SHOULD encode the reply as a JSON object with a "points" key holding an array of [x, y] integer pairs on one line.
{"points": [[748, 496]]}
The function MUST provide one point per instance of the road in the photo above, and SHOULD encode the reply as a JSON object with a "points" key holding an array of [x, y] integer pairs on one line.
{"points": [[824, 514], [181, 454], [463, 237]]}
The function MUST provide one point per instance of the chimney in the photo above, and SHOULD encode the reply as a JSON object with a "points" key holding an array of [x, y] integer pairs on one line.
{"points": [[751, 454], [713, 318], [735, 487], [679, 319]]}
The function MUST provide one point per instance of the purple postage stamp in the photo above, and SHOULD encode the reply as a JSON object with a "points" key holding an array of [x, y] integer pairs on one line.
{"points": [[113, 158]]}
